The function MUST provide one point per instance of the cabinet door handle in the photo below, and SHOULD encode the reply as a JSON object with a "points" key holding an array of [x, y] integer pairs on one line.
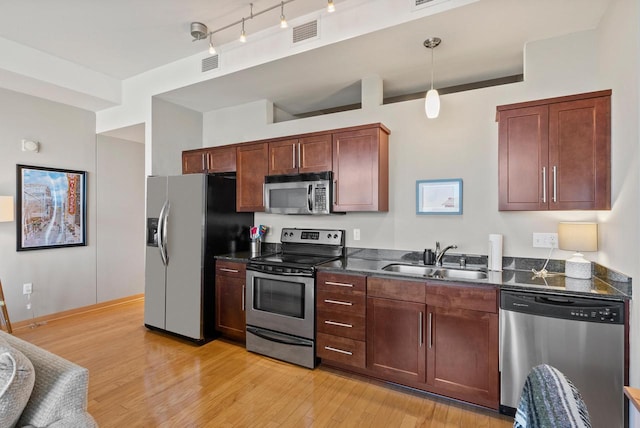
{"points": [[329, 348], [430, 330], [335, 197], [204, 156], [338, 324], [339, 284], [229, 270], [299, 156], [420, 332], [544, 184], [555, 184], [243, 291], [338, 302], [293, 155]]}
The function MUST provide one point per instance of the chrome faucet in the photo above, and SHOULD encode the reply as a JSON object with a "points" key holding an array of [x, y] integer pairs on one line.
{"points": [[440, 254]]}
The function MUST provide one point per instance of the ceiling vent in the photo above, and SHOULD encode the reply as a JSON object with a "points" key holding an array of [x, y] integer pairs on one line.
{"points": [[210, 63], [305, 31], [418, 4]]}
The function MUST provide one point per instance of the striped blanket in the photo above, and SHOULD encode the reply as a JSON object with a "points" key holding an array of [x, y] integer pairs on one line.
{"points": [[550, 400]]}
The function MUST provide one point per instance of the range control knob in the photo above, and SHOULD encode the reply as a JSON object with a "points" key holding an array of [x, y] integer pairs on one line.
{"points": [[335, 236], [329, 235]]}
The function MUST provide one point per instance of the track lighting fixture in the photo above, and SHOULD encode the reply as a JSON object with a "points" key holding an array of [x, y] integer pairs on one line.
{"points": [[243, 34], [212, 49], [432, 100], [283, 20], [199, 31]]}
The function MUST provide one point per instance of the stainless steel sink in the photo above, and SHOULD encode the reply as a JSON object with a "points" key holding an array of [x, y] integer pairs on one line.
{"points": [[431, 272], [409, 269], [458, 273]]}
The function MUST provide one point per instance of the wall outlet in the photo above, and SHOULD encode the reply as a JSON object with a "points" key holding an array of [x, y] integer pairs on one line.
{"points": [[545, 240], [356, 234], [27, 288]]}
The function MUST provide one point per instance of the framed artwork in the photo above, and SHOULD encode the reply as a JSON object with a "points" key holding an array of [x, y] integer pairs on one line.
{"points": [[51, 208], [439, 196]]}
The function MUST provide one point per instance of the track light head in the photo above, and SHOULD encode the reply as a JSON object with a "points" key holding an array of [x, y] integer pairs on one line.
{"points": [[330, 6]]}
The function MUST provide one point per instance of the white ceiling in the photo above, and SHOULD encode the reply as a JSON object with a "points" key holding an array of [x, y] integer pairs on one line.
{"points": [[122, 38]]}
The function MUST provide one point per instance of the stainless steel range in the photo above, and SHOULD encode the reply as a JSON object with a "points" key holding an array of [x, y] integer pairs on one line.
{"points": [[281, 294]]}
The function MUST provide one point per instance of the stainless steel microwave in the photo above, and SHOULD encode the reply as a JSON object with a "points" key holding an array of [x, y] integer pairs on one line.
{"points": [[310, 193]]}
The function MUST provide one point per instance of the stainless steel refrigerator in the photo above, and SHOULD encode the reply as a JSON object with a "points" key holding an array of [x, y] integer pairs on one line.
{"points": [[190, 219]]}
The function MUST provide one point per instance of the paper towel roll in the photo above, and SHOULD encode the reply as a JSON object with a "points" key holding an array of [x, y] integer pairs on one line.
{"points": [[495, 253]]}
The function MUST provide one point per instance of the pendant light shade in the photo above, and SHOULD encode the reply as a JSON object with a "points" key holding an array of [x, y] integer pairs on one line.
{"points": [[432, 104], [432, 100]]}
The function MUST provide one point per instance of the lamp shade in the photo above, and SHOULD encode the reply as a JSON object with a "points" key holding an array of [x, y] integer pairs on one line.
{"points": [[6, 208], [578, 237]]}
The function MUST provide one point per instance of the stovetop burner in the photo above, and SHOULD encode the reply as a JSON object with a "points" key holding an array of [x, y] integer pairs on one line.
{"points": [[302, 251]]}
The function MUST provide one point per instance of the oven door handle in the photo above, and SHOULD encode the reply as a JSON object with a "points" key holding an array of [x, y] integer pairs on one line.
{"points": [[274, 337]]}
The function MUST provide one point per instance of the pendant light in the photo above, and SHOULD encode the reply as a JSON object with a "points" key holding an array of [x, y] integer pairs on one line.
{"points": [[330, 6], [432, 100]]}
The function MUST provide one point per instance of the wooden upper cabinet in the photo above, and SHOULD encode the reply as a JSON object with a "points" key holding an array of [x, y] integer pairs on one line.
{"points": [[555, 154], [361, 169], [194, 161], [222, 159], [252, 165], [300, 155], [209, 160]]}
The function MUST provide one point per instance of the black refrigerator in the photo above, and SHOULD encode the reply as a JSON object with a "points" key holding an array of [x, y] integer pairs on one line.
{"points": [[190, 219]]}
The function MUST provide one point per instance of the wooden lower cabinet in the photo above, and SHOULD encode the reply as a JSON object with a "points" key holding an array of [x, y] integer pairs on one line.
{"points": [[230, 299], [340, 319], [395, 340], [462, 355], [435, 337]]}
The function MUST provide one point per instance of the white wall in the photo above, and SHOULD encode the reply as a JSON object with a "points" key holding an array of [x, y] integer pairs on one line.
{"points": [[619, 56], [111, 266], [120, 215], [62, 278], [174, 129]]}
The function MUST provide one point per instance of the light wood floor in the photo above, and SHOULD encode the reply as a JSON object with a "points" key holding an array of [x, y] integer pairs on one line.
{"points": [[140, 378]]}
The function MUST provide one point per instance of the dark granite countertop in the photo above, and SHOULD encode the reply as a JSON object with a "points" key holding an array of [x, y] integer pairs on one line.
{"points": [[517, 273]]}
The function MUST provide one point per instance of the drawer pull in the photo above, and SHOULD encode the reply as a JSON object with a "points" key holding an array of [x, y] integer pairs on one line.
{"points": [[339, 324], [229, 270], [338, 302], [339, 284], [329, 348]]}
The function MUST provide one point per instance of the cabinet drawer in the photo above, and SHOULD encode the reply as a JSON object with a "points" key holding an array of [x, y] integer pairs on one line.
{"points": [[341, 350], [341, 324], [233, 269], [409, 291], [350, 303], [457, 296], [339, 283]]}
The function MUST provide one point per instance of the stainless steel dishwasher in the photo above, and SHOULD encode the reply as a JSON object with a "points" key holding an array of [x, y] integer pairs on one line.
{"points": [[584, 338]]}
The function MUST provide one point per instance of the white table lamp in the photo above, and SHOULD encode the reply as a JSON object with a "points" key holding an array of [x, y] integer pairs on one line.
{"points": [[6, 208], [578, 237]]}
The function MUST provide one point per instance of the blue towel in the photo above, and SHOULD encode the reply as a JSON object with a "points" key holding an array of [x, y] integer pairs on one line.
{"points": [[550, 400]]}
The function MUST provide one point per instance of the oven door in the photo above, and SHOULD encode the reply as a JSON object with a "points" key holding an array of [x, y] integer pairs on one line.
{"points": [[281, 303]]}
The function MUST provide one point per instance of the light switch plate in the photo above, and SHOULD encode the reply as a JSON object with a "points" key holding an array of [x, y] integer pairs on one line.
{"points": [[27, 288], [356, 234]]}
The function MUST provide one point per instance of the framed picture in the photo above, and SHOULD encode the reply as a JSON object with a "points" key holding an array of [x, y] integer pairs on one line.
{"points": [[439, 196], [51, 208]]}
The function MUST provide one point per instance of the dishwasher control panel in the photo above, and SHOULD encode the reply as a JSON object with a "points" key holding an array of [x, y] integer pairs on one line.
{"points": [[565, 307]]}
